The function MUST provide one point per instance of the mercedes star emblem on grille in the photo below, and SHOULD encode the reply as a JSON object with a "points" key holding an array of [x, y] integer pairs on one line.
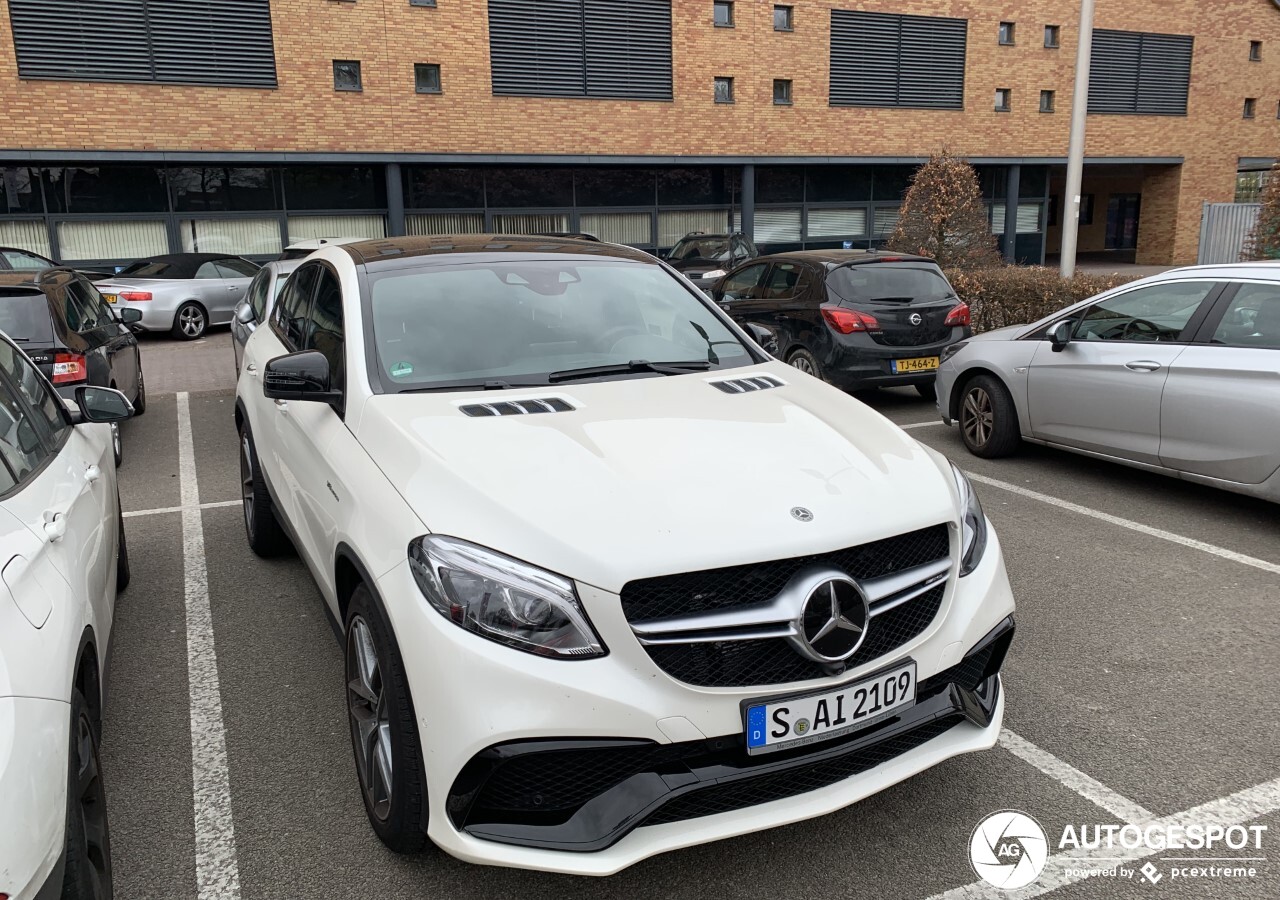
{"points": [[833, 621], [800, 514], [916, 319]]}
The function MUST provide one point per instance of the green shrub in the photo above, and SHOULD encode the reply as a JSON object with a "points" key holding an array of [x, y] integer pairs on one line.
{"points": [[1012, 295]]}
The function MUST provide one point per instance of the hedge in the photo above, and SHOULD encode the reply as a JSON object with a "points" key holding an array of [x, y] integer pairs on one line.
{"points": [[1012, 295]]}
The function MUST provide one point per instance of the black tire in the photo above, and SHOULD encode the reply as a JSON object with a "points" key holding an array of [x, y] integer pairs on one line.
{"points": [[927, 390], [122, 553], [805, 361], [378, 695], [140, 401], [88, 869], [261, 527], [191, 321], [988, 418]]}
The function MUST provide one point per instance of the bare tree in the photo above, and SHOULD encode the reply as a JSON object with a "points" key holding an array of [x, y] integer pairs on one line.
{"points": [[943, 216]]}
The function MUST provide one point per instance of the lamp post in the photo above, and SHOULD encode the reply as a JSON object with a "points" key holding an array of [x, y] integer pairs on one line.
{"points": [[1075, 149]]}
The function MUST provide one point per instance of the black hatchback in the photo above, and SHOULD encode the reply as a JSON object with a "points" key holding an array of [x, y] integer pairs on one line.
{"points": [[855, 318], [67, 329]]}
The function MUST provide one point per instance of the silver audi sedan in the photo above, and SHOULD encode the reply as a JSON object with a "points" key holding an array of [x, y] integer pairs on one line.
{"points": [[256, 306], [183, 293], [1178, 373]]}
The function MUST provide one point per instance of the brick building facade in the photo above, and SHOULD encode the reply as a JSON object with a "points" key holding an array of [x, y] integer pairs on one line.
{"points": [[1147, 175]]}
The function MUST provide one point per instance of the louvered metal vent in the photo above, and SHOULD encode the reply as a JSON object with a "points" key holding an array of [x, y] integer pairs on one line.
{"points": [[516, 407], [1138, 73], [227, 42], [747, 385], [882, 59], [581, 48]]}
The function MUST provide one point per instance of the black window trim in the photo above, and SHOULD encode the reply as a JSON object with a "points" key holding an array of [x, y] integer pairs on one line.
{"points": [[325, 267], [53, 449], [276, 310]]}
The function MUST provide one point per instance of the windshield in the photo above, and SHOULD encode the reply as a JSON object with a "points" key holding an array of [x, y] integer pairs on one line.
{"points": [[519, 322], [144, 268], [711, 249], [25, 317], [890, 281]]}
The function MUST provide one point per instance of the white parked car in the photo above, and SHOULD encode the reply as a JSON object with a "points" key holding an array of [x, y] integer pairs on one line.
{"points": [[612, 580], [62, 559], [304, 248]]}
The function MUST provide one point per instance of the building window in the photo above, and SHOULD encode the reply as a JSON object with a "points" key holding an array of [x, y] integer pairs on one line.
{"points": [[782, 91], [581, 48], [422, 2], [346, 75], [724, 90], [1249, 184], [426, 78], [167, 43], [1046, 101], [1003, 98], [1139, 73], [1255, 51], [1006, 32], [723, 14], [1052, 34], [782, 18], [884, 59], [1250, 107]]}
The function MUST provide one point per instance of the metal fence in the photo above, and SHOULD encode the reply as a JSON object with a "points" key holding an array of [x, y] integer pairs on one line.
{"points": [[1224, 229]]}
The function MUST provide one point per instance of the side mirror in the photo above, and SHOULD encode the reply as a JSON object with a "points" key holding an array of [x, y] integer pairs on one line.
{"points": [[299, 376], [244, 313], [764, 337], [100, 404], [130, 316], [1060, 335]]}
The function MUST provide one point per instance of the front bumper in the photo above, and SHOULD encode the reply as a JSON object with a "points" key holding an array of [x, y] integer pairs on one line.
{"points": [[498, 698], [34, 742]]}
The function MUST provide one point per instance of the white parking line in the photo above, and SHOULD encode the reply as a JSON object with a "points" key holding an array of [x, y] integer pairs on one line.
{"points": [[218, 504], [1223, 552], [1066, 868], [1064, 773], [217, 872], [920, 425]]}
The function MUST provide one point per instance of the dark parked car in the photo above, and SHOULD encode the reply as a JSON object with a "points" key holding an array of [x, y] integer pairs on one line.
{"points": [[704, 258], [63, 324], [855, 318]]}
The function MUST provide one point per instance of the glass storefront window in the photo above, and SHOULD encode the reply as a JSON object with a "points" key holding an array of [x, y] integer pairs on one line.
{"points": [[837, 222], [673, 224], [20, 190], [615, 187], [773, 225], [890, 183], [240, 237], [779, 184], [693, 187], [302, 228], [530, 223], [224, 188], [444, 223], [529, 187], [112, 239], [428, 187], [844, 183], [105, 189], [28, 234], [335, 187], [635, 228]]}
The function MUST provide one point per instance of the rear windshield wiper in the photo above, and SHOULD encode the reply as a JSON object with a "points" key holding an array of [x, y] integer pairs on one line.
{"points": [[636, 365]]}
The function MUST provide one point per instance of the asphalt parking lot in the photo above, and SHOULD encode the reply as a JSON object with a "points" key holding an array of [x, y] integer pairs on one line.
{"points": [[1141, 687]]}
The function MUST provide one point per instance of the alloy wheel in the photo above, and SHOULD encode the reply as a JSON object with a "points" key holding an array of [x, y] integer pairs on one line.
{"points": [[191, 321], [977, 418], [91, 807], [246, 480], [370, 722], [802, 363]]}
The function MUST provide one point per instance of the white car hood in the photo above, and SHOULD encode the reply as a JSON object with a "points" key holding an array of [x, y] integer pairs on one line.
{"points": [[652, 476]]}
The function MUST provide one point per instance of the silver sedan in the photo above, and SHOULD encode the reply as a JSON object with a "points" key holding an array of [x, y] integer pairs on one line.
{"points": [[253, 310], [183, 293], [1178, 374]]}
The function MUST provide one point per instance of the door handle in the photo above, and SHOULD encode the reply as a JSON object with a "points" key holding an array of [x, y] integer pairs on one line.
{"points": [[282, 406], [1142, 365], [92, 473], [252, 370], [55, 525]]}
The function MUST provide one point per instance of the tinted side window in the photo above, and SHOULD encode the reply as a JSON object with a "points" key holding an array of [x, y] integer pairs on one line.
{"points": [[237, 268], [50, 414], [1158, 312], [23, 446], [742, 284], [209, 270], [93, 308], [783, 281], [257, 295], [291, 310], [326, 333], [1252, 319]]}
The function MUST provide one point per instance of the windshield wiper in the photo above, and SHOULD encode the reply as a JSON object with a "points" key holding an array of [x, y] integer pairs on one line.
{"points": [[636, 365], [490, 385]]}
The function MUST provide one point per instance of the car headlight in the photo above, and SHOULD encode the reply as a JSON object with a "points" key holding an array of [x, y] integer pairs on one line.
{"points": [[503, 599], [973, 524], [714, 273], [952, 349]]}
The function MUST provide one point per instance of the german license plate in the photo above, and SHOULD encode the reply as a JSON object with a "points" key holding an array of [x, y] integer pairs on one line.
{"points": [[919, 364], [110, 298], [795, 721]]}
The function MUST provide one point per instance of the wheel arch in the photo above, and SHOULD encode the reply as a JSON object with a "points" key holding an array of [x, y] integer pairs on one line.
{"points": [[349, 572], [87, 677], [957, 391]]}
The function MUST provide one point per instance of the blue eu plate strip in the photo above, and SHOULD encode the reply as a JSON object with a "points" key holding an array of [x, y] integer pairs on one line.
{"points": [[755, 726]]}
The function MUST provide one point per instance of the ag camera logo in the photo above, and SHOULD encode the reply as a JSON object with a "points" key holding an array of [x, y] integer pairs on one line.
{"points": [[1008, 849]]}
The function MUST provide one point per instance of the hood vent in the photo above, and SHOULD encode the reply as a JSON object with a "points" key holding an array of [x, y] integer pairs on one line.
{"points": [[747, 385], [516, 407]]}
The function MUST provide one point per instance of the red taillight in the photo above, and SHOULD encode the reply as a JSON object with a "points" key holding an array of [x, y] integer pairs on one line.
{"points": [[135, 296], [959, 315], [68, 368], [847, 321]]}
